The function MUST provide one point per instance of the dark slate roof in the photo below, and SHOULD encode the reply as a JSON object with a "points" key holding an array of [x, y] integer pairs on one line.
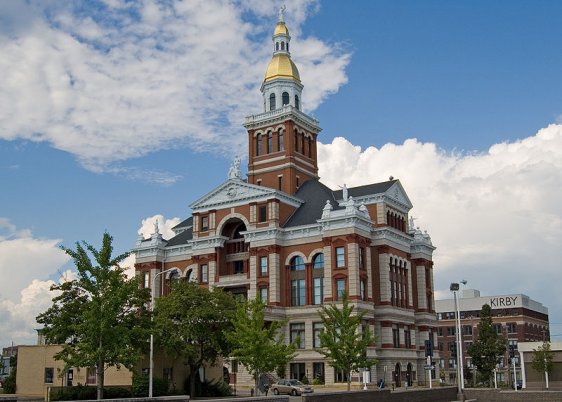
{"points": [[314, 194], [375, 188], [184, 223], [182, 238]]}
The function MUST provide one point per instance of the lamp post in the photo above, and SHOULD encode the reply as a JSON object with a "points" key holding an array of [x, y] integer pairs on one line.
{"points": [[460, 372], [151, 366]]}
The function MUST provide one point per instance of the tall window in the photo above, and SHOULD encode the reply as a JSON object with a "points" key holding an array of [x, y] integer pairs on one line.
{"points": [[297, 102], [272, 102], [204, 273], [258, 145], [511, 327], [318, 261], [262, 212], [49, 375], [146, 279], [361, 257], [296, 136], [263, 294], [238, 267], [318, 290], [285, 98], [263, 266], [269, 142], [302, 144], [280, 145], [407, 337], [340, 288], [362, 291], [309, 150], [298, 295], [317, 328], [204, 223], [280, 182], [340, 257], [297, 263], [395, 336], [297, 334]]}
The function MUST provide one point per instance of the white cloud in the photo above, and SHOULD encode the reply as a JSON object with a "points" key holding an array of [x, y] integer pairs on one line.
{"points": [[164, 226], [111, 85], [25, 264], [495, 217]]}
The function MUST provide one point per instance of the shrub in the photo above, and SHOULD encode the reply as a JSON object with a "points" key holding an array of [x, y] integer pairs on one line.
{"points": [[305, 380], [10, 382], [140, 386]]}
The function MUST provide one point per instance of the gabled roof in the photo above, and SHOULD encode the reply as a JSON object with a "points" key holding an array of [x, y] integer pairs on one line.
{"points": [[181, 238], [368, 189], [237, 192], [314, 194], [184, 224]]}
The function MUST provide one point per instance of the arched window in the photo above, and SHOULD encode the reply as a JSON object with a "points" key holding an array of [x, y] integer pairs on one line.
{"points": [[297, 102], [297, 264], [276, 45], [280, 145], [258, 145], [302, 144], [298, 282], [318, 261], [285, 98], [282, 45], [309, 147], [269, 142], [287, 46], [296, 141], [272, 102]]}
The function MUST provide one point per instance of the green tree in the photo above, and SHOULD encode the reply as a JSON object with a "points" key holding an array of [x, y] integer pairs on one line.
{"points": [[487, 350], [542, 360], [343, 344], [259, 345], [101, 318], [191, 323]]}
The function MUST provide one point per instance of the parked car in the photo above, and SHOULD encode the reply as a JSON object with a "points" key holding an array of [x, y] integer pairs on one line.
{"points": [[519, 384], [291, 387]]}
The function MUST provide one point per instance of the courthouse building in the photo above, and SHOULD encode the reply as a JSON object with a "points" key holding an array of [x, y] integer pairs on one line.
{"points": [[516, 316], [281, 235]]}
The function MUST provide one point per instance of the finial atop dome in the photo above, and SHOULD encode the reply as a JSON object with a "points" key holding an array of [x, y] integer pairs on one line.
{"points": [[281, 13]]}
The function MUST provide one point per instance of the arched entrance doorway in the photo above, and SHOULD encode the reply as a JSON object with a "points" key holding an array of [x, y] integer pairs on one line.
{"points": [[397, 375], [409, 375], [233, 258]]}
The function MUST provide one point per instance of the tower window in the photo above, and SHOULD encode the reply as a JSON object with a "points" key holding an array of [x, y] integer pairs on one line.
{"points": [[269, 142], [280, 182], [296, 141], [297, 102], [302, 144], [272, 102], [280, 145], [309, 147], [287, 46], [285, 98], [276, 45], [258, 145], [282, 45]]}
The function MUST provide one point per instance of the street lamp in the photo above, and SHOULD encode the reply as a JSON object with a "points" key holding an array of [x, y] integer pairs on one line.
{"points": [[151, 366], [460, 371]]}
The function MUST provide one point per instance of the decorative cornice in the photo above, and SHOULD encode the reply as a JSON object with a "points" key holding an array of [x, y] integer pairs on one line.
{"points": [[280, 115]]}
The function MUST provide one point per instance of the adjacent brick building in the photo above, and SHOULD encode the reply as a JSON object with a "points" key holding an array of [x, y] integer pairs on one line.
{"points": [[515, 316]]}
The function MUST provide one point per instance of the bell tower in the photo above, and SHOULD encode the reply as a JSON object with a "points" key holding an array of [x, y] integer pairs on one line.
{"points": [[282, 139]]}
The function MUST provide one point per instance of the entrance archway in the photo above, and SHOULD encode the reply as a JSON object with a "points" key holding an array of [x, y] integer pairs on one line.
{"points": [[397, 375], [409, 375]]}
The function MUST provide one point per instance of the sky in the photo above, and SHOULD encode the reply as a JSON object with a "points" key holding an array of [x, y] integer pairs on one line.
{"points": [[114, 114]]}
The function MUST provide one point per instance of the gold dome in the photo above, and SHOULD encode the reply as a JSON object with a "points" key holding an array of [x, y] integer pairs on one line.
{"points": [[281, 29], [281, 66]]}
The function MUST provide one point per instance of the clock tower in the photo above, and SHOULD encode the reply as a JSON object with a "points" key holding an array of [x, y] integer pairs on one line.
{"points": [[282, 139]]}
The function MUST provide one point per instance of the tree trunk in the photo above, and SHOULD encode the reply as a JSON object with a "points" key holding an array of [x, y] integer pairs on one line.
{"points": [[256, 383], [349, 380], [100, 377], [193, 372]]}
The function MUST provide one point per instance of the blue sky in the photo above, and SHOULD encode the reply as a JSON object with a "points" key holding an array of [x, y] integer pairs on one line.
{"points": [[115, 112]]}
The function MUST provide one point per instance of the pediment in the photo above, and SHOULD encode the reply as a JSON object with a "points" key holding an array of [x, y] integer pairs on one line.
{"points": [[397, 193], [236, 192]]}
